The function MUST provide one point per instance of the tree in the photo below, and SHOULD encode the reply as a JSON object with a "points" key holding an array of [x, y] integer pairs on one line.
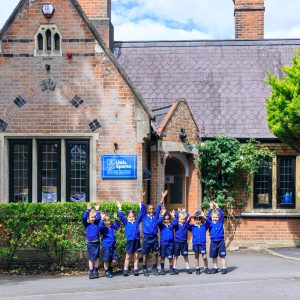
{"points": [[283, 105]]}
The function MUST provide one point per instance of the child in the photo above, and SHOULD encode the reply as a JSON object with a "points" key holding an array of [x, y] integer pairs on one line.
{"points": [[215, 219], [132, 233], [90, 220], [166, 241], [109, 250], [198, 230], [150, 231], [180, 224]]}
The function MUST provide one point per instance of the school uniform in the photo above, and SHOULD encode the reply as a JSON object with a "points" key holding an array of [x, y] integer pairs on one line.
{"points": [[216, 230], [109, 249], [92, 234], [150, 231], [180, 237], [132, 231], [166, 239], [199, 237]]}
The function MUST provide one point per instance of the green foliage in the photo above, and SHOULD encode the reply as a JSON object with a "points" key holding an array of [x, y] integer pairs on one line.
{"points": [[283, 105], [55, 228], [225, 166]]}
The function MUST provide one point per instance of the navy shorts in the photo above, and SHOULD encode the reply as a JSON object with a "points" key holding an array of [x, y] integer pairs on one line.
{"points": [[93, 249], [167, 251], [199, 248], [133, 246], [217, 249], [150, 243], [109, 254], [181, 248]]}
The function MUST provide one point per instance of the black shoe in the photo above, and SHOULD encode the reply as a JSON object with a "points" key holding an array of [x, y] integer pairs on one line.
{"points": [[125, 273], [111, 271], [95, 274], [198, 271], [145, 272], [189, 271], [108, 274], [174, 271], [214, 271], [162, 272], [224, 271], [206, 271], [155, 271], [91, 275], [136, 272]]}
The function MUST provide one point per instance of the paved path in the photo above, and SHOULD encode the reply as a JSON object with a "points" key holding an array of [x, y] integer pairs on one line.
{"points": [[251, 276], [293, 252]]}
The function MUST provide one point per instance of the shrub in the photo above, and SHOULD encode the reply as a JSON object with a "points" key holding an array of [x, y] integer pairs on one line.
{"points": [[55, 228]]}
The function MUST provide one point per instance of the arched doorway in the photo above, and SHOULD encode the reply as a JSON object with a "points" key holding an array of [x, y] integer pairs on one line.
{"points": [[175, 184]]}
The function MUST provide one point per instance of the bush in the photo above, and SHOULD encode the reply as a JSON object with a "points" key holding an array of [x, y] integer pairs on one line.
{"points": [[55, 228]]}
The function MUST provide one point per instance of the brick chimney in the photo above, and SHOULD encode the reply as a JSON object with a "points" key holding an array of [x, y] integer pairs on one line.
{"points": [[99, 13], [249, 19]]}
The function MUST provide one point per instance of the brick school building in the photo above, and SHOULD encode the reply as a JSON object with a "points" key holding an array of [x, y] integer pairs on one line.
{"points": [[84, 117]]}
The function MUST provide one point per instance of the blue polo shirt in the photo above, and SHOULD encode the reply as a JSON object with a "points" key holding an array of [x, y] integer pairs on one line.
{"points": [[132, 230], [91, 229], [150, 224], [108, 233], [216, 230], [166, 233]]}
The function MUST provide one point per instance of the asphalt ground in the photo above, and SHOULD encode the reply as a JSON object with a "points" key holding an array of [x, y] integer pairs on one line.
{"points": [[250, 276]]}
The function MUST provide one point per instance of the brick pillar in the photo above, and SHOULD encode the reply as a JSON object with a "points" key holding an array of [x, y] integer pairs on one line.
{"points": [[99, 13], [249, 19]]}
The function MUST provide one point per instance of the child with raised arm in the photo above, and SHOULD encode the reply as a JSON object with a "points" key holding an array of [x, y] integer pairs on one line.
{"points": [[90, 220], [215, 219], [109, 249], [132, 234], [180, 224], [198, 230], [150, 231], [166, 241]]}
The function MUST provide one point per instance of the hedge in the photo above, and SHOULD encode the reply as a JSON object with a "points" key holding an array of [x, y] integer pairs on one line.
{"points": [[55, 228]]}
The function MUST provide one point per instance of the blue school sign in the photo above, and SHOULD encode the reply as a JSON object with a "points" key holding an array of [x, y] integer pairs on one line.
{"points": [[119, 167]]}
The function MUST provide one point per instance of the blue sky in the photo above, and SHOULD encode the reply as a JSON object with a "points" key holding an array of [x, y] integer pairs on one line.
{"points": [[188, 19]]}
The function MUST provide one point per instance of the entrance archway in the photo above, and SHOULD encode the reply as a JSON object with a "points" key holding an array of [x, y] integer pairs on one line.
{"points": [[175, 184]]}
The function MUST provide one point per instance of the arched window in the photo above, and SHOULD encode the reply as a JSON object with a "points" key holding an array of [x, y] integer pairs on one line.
{"points": [[40, 41], [56, 42], [48, 41]]}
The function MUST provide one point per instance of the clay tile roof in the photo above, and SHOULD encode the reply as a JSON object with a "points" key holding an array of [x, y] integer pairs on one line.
{"points": [[222, 81]]}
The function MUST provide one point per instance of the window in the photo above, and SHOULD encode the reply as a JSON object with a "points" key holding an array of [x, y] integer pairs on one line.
{"points": [[286, 166], [48, 41], [48, 171], [263, 185], [77, 160], [20, 171]]}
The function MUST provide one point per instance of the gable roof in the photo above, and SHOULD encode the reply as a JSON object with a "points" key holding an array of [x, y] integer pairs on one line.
{"points": [[100, 42], [222, 81], [167, 117]]}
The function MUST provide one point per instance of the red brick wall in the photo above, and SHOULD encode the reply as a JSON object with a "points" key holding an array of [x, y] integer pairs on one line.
{"points": [[94, 78], [249, 19], [96, 8], [267, 233], [193, 189]]}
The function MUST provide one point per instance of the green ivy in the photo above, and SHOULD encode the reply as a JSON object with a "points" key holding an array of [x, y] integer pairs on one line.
{"points": [[55, 228], [225, 166]]}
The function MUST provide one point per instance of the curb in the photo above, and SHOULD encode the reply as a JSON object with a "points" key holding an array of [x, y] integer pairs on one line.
{"points": [[280, 255]]}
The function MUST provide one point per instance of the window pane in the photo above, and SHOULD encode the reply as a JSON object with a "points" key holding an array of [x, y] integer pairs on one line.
{"points": [[49, 171], [263, 185], [20, 171], [77, 171], [48, 39], [176, 191], [56, 42], [286, 182], [40, 41]]}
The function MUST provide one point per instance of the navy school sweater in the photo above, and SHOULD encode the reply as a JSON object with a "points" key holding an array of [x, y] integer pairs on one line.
{"points": [[91, 229], [132, 230], [150, 224], [180, 230], [198, 233], [108, 233], [166, 233], [216, 230]]}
